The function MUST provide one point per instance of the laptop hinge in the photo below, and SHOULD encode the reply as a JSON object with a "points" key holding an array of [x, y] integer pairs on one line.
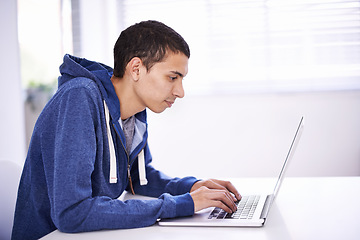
{"points": [[269, 200]]}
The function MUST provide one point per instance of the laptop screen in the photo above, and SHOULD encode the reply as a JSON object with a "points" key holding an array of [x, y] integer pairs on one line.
{"points": [[289, 155]]}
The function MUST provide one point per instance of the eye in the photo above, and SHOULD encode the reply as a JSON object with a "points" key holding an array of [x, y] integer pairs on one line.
{"points": [[173, 78]]}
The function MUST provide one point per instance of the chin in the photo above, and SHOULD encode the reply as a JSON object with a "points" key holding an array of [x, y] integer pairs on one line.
{"points": [[157, 110]]}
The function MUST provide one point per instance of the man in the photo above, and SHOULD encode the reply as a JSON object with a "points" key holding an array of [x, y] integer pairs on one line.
{"points": [[90, 143]]}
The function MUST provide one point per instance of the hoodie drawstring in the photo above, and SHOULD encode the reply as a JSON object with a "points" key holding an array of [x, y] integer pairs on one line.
{"points": [[113, 178], [113, 168], [141, 164]]}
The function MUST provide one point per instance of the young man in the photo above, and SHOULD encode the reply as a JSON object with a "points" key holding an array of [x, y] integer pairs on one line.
{"points": [[90, 143]]}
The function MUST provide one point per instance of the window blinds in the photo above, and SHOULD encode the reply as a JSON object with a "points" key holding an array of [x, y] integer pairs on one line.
{"points": [[273, 45]]}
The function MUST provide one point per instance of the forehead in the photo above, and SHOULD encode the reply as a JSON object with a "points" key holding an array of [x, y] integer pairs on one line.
{"points": [[174, 62]]}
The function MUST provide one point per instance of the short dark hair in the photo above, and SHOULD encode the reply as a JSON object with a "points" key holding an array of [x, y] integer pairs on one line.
{"points": [[148, 40]]}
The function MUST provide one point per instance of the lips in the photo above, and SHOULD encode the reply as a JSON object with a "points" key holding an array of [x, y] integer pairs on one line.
{"points": [[169, 103]]}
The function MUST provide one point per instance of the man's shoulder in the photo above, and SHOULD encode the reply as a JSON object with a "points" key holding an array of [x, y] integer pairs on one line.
{"points": [[79, 82], [78, 85], [77, 95]]}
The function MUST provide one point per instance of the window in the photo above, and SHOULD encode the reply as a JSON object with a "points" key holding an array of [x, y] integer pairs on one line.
{"points": [[259, 45], [236, 45], [44, 28]]}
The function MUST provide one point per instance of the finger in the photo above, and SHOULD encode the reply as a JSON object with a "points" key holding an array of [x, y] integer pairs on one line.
{"points": [[225, 198], [214, 184], [220, 185], [233, 190], [223, 206], [205, 197], [228, 186]]}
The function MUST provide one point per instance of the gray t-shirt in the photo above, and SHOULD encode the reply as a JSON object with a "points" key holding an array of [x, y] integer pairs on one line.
{"points": [[129, 129]]}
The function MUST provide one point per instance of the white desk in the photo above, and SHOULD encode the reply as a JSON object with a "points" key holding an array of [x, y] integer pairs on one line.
{"points": [[306, 208]]}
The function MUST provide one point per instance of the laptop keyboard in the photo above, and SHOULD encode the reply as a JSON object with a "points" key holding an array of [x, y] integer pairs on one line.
{"points": [[245, 209]]}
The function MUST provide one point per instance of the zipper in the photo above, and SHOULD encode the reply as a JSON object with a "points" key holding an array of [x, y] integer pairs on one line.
{"points": [[128, 160], [130, 180], [129, 165]]}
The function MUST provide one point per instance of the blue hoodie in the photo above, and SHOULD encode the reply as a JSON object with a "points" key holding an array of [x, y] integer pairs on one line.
{"points": [[65, 181]]}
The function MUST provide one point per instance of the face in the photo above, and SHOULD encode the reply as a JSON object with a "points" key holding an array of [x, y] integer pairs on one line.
{"points": [[158, 88]]}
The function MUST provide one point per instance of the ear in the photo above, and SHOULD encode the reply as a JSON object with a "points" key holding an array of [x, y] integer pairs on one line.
{"points": [[133, 68]]}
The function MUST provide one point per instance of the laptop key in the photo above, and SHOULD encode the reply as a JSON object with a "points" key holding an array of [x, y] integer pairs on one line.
{"points": [[246, 209]]}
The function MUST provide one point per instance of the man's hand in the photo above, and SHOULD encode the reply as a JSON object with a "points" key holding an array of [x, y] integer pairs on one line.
{"points": [[214, 193]]}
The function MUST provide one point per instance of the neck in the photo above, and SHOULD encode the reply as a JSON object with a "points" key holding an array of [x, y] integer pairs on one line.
{"points": [[129, 106]]}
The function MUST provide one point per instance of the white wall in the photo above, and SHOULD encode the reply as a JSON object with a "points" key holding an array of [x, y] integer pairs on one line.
{"points": [[12, 137], [236, 133], [12, 130], [248, 135]]}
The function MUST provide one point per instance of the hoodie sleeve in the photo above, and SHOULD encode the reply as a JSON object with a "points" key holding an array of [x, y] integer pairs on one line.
{"points": [[70, 167]]}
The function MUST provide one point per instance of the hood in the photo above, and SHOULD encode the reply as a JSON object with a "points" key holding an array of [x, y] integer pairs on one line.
{"points": [[74, 67]]}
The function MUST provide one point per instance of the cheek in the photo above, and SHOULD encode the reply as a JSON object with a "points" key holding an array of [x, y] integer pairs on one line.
{"points": [[159, 88]]}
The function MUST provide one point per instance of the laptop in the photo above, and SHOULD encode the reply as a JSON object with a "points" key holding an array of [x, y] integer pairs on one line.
{"points": [[252, 210]]}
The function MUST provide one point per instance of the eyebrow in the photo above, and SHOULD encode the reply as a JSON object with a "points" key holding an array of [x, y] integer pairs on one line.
{"points": [[177, 73]]}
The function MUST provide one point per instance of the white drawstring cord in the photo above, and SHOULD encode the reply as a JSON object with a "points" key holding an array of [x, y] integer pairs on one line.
{"points": [[141, 166], [113, 177]]}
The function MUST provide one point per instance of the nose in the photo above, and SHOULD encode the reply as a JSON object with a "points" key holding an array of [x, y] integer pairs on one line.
{"points": [[178, 90]]}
